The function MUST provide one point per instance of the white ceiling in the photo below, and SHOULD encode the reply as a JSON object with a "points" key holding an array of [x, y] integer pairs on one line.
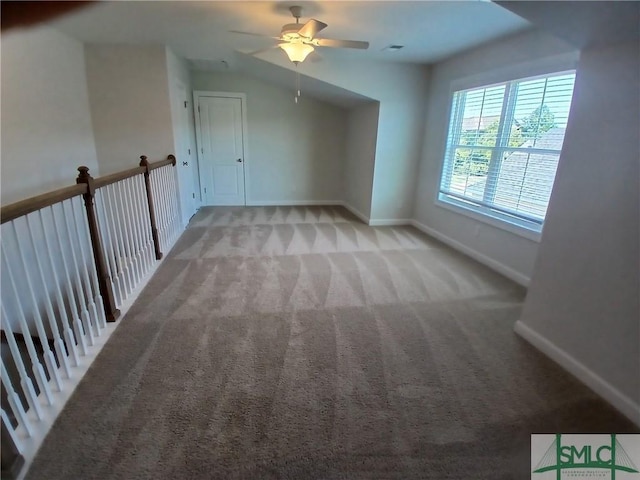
{"points": [[583, 24], [199, 31]]}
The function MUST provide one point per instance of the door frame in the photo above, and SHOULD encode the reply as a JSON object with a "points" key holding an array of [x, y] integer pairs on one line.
{"points": [[187, 129], [197, 94]]}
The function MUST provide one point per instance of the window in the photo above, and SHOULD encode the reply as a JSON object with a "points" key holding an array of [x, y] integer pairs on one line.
{"points": [[503, 148]]}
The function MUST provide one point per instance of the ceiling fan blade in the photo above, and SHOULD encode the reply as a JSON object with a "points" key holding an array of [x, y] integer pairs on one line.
{"points": [[254, 34], [262, 50], [311, 28], [328, 42]]}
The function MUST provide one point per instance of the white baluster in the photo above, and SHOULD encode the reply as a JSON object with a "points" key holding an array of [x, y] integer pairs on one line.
{"points": [[123, 270], [143, 221], [12, 432], [157, 204], [101, 320], [25, 381], [126, 198], [108, 246], [126, 228], [14, 401], [127, 186], [36, 366], [78, 329], [86, 263], [68, 333], [140, 221], [147, 221], [171, 192], [159, 200], [162, 194], [118, 274], [166, 191], [127, 237], [49, 359], [85, 331], [176, 204], [57, 338]]}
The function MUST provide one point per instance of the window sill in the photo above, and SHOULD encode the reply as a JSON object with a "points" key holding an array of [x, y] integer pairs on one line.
{"points": [[531, 232]]}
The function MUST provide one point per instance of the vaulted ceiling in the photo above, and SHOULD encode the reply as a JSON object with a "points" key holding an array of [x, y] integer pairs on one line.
{"points": [[200, 31], [428, 30]]}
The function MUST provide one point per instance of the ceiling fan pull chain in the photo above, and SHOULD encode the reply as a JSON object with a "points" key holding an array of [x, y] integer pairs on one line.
{"points": [[297, 95]]}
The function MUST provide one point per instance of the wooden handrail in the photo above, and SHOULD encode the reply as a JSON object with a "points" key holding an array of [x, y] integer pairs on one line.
{"points": [[32, 204], [24, 207], [135, 225], [86, 186], [99, 182], [171, 160]]}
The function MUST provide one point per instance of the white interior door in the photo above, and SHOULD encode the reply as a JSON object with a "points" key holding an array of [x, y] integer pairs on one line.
{"points": [[186, 158], [221, 150]]}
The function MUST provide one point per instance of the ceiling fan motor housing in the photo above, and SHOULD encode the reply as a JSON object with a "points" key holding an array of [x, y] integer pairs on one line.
{"points": [[290, 31], [296, 11]]}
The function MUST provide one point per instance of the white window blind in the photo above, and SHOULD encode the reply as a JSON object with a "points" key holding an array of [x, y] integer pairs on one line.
{"points": [[503, 146]]}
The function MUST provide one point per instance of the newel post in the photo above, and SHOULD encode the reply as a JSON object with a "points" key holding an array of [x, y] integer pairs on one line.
{"points": [[104, 280], [152, 215]]}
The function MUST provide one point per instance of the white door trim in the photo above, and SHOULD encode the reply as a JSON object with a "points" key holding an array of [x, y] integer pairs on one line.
{"points": [[197, 94], [186, 129]]}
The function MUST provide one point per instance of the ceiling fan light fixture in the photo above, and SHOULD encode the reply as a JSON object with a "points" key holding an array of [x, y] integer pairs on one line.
{"points": [[296, 52]]}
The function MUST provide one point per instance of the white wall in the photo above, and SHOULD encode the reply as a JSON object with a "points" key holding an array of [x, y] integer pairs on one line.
{"points": [[518, 56], [46, 134], [130, 104], [362, 136], [401, 91], [46, 124], [296, 151], [583, 303]]}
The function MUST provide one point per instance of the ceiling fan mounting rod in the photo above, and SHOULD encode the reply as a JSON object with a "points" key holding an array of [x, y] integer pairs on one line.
{"points": [[296, 11]]}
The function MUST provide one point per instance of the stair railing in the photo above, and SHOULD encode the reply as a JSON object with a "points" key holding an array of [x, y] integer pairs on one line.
{"points": [[70, 258]]}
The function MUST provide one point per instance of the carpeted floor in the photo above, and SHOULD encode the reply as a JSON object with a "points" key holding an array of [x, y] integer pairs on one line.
{"points": [[298, 343]]}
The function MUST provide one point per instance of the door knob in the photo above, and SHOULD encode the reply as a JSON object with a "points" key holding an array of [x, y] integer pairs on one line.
{"points": [[185, 164], [239, 160]]}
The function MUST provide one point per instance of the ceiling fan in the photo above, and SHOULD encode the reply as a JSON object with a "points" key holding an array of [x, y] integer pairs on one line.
{"points": [[299, 40]]}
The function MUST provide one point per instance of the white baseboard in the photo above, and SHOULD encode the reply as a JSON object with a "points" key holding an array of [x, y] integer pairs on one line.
{"points": [[356, 212], [309, 203], [627, 406], [292, 203], [389, 222], [375, 222], [508, 272]]}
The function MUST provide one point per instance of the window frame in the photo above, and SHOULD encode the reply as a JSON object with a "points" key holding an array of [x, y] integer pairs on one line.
{"points": [[556, 65]]}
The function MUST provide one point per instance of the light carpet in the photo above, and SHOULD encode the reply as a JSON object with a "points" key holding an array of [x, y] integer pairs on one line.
{"points": [[298, 343]]}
